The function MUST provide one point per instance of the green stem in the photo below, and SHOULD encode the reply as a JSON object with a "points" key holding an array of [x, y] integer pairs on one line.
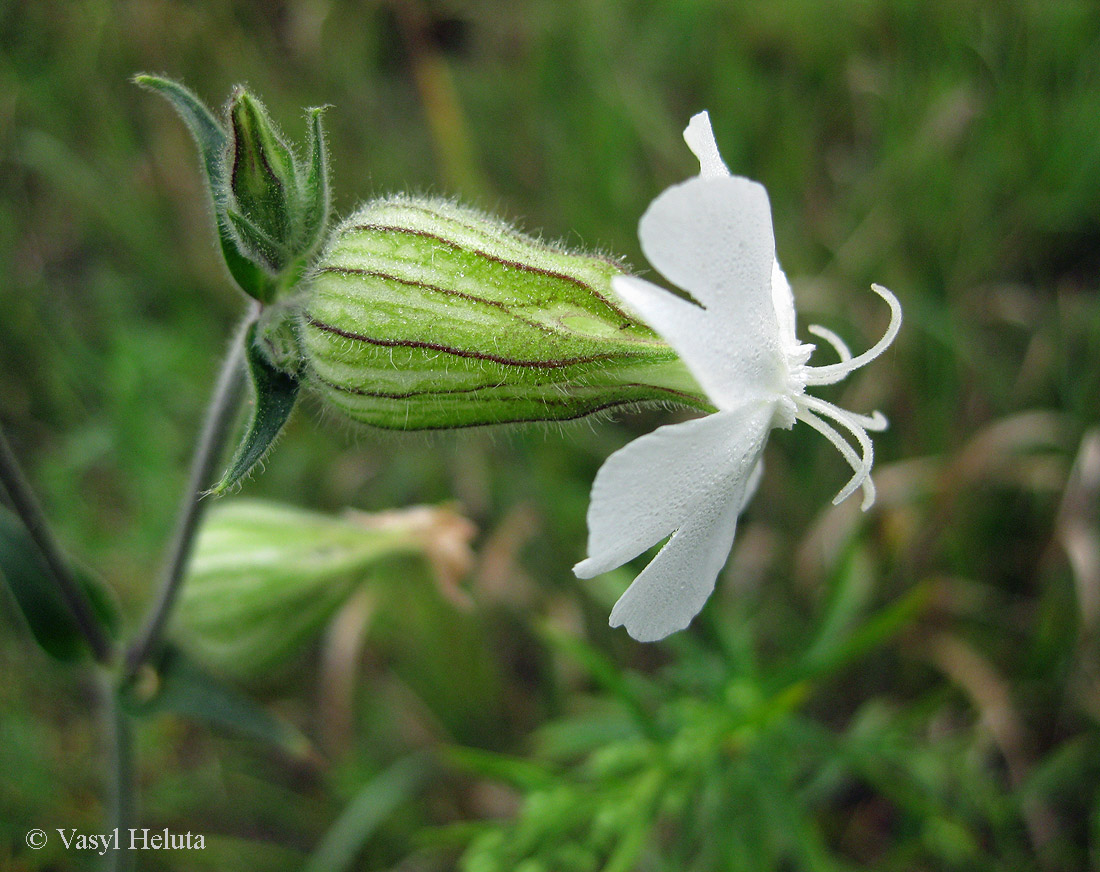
{"points": [[123, 787], [26, 507], [220, 416]]}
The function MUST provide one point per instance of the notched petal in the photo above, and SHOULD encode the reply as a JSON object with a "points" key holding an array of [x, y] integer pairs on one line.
{"points": [[678, 581], [690, 480], [648, 488], [713, 238]]}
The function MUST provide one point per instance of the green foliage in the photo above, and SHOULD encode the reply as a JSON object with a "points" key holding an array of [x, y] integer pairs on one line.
{"points": [[176, 684], [705, 768], [40, 604], [274, 393]]}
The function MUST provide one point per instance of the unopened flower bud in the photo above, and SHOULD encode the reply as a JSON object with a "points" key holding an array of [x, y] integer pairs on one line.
{"points": [[266, 578], [423, 314], [278, 203], [271, 205]]}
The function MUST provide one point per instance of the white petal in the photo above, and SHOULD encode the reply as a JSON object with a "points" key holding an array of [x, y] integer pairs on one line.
{"points": [[700, 139], [713, 238], [675, 586], [649, 488], [783, 300], [698, 337]]}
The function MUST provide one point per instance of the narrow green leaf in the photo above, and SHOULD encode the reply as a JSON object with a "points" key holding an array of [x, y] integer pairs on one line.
{"points": [[49, 621], [48, 618], [182, 687], [102, 599], [374, 802], [522, 773], [874, 632], [208, 134], [249, 276], [275, 394], [213, 143], [604, 672], [850, 589], [315, 186], [632, 842]]}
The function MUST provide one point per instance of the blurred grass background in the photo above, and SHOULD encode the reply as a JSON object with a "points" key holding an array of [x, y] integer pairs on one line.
{"points": [[946, 150]]}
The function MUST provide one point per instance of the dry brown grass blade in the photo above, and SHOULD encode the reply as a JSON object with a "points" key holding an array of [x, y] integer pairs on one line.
{"points": [[1077, 528], [991, 696], [1022, 450], [339, 672]]}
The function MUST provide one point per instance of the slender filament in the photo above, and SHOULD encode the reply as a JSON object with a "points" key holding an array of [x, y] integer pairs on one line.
{"points": [[839, 346], [834, 372], [861, 463]]}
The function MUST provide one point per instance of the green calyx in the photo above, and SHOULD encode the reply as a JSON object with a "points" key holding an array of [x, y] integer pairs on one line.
{"points": [[271, 205], [422, 314], [266, 578]]}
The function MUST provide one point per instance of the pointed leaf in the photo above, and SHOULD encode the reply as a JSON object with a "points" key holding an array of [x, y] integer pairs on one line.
{"points": [[276, 393], [872, 633], [48, 618], [527, 775], [183, 687], [603, 671], [208, 134], [315, 188], [102, 599], [851, 586], [213, 143], [249, 277]]}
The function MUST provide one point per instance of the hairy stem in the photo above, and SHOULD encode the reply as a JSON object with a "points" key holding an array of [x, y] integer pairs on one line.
{"points": [[26, 507], [224, 405]]}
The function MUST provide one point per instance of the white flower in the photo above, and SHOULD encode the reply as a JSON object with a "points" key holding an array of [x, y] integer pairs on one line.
{"points": [[712, 236]]}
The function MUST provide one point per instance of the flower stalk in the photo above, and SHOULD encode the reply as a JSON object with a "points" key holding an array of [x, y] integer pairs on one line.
{"points": [[224, 405]]}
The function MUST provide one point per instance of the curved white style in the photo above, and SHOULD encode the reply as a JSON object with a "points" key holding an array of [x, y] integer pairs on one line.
{"points": [[712, 236]]}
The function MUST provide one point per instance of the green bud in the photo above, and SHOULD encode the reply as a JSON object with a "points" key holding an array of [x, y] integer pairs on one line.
{"points": [[266, 578], [423, 314], [213, 144], [271, 205], [278, 203], [261, 174]]}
